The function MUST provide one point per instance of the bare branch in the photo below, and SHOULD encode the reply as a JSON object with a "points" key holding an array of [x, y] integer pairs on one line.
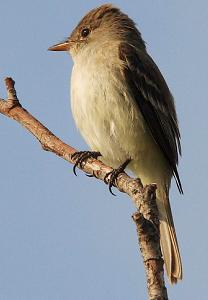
{"points": [[146, 217], [149, 240]]}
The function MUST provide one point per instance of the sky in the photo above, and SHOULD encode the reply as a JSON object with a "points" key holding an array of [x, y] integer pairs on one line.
{"points": [[65, 237]]}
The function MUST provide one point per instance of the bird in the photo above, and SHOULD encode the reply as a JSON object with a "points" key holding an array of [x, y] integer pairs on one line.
{"points": [[125, 111]]}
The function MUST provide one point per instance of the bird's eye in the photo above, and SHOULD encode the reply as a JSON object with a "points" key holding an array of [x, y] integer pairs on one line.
{"points": [[85, 32]]}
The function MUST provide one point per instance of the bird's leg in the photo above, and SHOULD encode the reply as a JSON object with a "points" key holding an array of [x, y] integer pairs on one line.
{"points": [[81, 156], [114, 175]]}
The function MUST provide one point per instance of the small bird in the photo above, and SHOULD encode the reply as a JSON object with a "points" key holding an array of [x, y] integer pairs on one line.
{"points": [[125, 111]]}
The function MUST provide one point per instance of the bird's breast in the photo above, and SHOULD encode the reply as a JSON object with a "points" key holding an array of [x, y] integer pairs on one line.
{"points": [[106, 115]]}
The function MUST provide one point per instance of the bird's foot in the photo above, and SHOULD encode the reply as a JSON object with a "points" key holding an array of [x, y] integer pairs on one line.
{"points": [[111, 177], [81, 156]]}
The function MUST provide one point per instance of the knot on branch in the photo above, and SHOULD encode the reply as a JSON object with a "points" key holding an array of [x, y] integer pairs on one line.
{"points": [[12, 100]]}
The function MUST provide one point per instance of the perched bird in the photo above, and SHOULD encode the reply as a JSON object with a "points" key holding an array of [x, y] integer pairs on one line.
{"points": [[125, 111]]}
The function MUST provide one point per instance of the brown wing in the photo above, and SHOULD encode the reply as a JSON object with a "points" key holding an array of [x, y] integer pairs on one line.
{"points": [[155, 101]]}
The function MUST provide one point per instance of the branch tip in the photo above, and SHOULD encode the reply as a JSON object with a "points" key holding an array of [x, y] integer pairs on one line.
{"points": [[9, 82], [11, 92]]}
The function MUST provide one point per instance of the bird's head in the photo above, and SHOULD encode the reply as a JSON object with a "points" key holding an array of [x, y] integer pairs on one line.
{"points": [[102, 26]]}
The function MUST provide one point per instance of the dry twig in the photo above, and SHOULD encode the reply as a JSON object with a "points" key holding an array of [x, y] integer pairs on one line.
{"points": [[146, 217]]}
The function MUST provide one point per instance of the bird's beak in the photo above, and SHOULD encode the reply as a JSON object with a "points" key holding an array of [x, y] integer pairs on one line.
{"points": [[63, 46]]}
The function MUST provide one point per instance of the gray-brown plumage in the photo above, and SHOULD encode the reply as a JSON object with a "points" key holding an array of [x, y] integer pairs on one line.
{"points": [[155, 102], [124, 109]]}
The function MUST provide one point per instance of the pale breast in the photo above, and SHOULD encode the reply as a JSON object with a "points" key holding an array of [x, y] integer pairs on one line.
{"points": [[105, 114]]}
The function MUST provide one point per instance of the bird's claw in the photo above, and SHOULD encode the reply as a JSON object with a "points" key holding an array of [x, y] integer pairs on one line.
{"points": [[111, 177], [81, 156]]}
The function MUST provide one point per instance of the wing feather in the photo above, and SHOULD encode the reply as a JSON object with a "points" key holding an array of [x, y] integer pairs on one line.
{"points": [[155, 101]]}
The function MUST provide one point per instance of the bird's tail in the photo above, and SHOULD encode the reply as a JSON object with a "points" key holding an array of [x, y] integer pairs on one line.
{"points": [[168, 240]]}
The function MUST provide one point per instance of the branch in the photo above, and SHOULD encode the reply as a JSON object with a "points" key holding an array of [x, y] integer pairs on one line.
{"points": [[146, 217], [147, 224]]}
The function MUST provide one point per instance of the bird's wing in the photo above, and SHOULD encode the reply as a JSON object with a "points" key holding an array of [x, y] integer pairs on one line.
{"points": [[151, 93]]}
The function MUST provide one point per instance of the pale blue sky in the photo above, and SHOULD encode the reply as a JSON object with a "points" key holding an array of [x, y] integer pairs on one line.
{"points": [[65, 237]]}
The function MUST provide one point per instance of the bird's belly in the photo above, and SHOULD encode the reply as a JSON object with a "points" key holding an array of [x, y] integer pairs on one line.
{"points": [[109, 120]]}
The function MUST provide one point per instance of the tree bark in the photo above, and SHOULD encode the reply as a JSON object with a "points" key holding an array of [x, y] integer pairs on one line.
{"points": [[146, 216]]}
